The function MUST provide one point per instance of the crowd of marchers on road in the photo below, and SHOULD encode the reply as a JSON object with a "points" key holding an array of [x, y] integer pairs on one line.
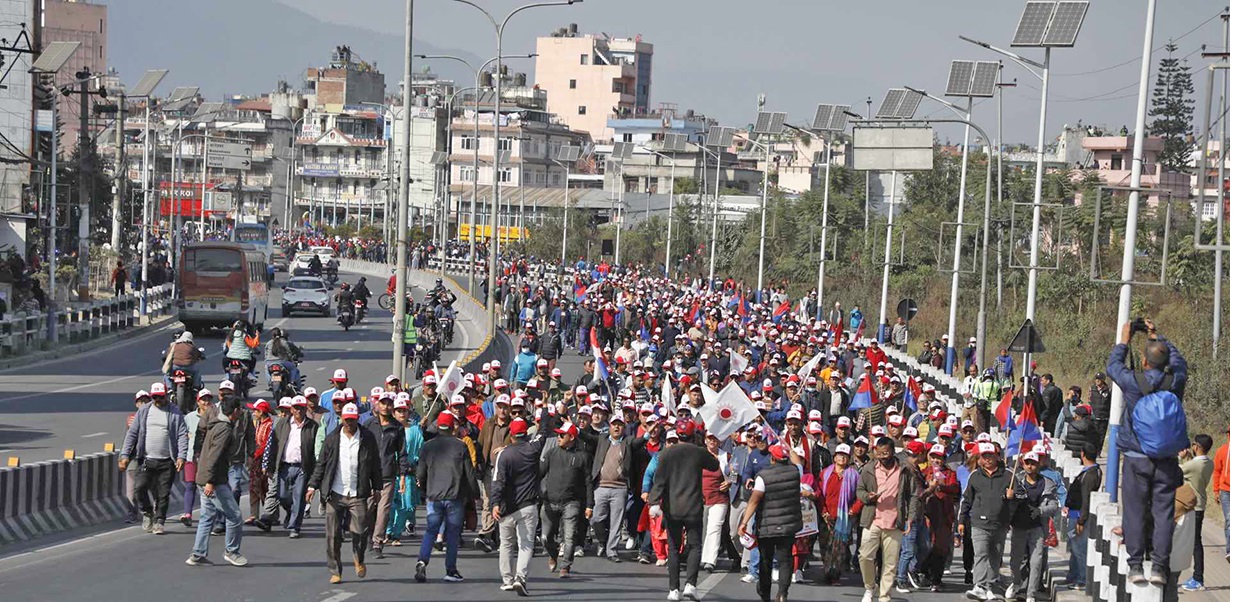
{"points": [[714, 429]]}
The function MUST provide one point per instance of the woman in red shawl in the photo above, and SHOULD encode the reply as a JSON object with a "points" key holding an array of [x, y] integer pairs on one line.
{"points": [[840, 508], [940, 506]]}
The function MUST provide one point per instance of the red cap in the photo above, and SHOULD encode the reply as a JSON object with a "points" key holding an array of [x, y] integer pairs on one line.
{"points": [[446, 419], [518, 428], [778, 451], [567, 427], [685, 428], [261, 405]]}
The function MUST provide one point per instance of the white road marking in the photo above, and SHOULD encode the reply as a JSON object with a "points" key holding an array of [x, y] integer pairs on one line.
{"points": [[94, 435], [340, 596], [319, 368], [706, 585], [93, 384]]}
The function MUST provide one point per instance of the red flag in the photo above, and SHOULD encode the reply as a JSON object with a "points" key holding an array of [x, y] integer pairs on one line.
{"points": [[1002, 411]]}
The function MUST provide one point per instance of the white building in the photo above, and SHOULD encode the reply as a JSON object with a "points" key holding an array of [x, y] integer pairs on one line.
{"points": [[16, 124]]}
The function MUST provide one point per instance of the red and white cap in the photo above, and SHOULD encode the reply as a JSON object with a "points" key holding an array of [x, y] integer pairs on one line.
{"points": [[376, 391], [141, 394], [285, 402], [556, 373], [580, 390], [794, 414], [844, 421], [985, 447], [392, 378], [310, 392], [945, 431], [202, 393], [910, 431], [895, 420], [844, 448], [814, 428], [401, 404], [429, 381], [966, 424], [299, 401], [158, 389], [542, 363], [500, 384], [814, 416], [1031, 456], [878, 431], [937, 450], [350, 394], [501, 400], [338, 396], [584, 410], [349, 411], [567, 428], [457, 400], [225, 385], [339, 375], [647, 408]]}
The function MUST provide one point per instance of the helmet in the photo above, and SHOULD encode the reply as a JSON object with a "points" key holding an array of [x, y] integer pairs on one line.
{"points": [[685, 427], [345, 286], [277, 333], [362, 279]]}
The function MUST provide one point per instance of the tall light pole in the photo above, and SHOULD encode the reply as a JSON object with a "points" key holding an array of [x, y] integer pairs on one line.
{"points": [[403, 207], [830, 119], [475, 146], [496, 141], [720, 138], [981, 319], [672, 143], [771, 124], [567, 155], [143, 89]]}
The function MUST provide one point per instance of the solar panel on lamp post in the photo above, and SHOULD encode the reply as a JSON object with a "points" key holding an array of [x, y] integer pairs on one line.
{"points": [[720, 138], [673, 143], [766, 124], [566, 156], [898, 104], [622, 151], [830, 119], [143, 89]]}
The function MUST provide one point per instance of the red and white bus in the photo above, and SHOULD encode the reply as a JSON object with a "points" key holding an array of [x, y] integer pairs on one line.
{"points": [[222, 282]]}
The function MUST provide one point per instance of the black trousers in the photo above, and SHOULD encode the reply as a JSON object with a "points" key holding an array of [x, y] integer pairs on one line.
{"points": [[152, 483], [1198, 552], [782, 550], [693, 529]]}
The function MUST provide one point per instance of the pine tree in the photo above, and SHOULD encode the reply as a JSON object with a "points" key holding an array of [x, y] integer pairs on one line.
{"points": [[1172, 109]]}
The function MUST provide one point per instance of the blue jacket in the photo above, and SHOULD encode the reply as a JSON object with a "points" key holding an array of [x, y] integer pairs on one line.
{"points": [[756, 461], [856, 317], [738, 460], [523, 367], [1125, 379], [135, 445]]}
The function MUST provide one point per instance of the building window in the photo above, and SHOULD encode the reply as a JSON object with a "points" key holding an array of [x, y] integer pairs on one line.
{"points": [[1115, 161], [582, 109], [466, 173], [1208, 210], [507, 175], [627, 137], [507, 144], [573, 84], [619, 87], [583, 59], [467, 143]]}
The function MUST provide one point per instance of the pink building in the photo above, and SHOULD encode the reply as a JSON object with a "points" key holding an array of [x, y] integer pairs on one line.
{"points": [[591, 78], [1111, 157], [76, 21]]}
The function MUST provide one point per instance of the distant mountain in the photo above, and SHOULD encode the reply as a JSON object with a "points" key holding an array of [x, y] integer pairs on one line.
{"points": [[246, 46]]}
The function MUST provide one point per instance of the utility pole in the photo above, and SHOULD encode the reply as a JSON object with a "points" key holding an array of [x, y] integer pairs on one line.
{"points": [[403, 201], [122, 176], [84, 204]]}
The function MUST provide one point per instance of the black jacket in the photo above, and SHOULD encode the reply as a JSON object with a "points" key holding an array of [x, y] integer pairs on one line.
{"points": [[515, 481], [1078, 434], [369, 477], [550, 346], [1052, 405], [281, 430], [984, 504], [1081, 490], [678, 484], [565, 474], [213, 465], [392, 443], [779, 513], [445, 472]]}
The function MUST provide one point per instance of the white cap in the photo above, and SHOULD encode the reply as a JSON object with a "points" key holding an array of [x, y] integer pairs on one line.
{"points": [[339, 374], [225, 385], [158, 389], [842, 448]]}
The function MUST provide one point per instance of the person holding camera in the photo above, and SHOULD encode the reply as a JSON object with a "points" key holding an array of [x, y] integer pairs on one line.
{"points": [[1149, 439]]}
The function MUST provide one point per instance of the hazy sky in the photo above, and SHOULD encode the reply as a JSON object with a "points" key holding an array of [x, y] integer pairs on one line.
{"points": [[714, 56]]}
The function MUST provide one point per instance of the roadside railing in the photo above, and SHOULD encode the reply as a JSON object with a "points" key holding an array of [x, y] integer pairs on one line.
{"points": [[27, 332]]}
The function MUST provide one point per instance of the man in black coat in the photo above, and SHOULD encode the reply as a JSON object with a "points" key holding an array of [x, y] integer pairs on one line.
{"points": [[1052, 399], [295, 461], [348, 470], [677, 490]]}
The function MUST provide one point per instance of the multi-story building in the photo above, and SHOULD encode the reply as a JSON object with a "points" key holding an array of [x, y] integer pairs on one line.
{"points": [[84, 22], [346, 81], [592, 78], [1216, 171], [530, 139], [1111, 158], [17, 126]]}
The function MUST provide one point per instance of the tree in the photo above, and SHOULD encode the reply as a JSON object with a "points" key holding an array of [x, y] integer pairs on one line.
{"points": [[1172, 109]]}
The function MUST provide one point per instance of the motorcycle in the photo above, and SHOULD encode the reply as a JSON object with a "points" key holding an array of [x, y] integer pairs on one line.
{"points": [[281, 382], [237, 374], [330, 274], [360, 309], [183, 396], [446, 330], [345, 318]]}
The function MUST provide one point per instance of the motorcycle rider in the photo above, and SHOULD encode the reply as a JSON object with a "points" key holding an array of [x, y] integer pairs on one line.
{"points": [[331, 268], [344, 299], [280, 350], [240, 345], [445, 310], [184, 356], [410, 333], [315, 265], [361, 293]]}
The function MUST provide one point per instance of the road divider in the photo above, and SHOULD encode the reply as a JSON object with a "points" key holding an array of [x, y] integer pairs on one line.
{"points": [[57, 495]]}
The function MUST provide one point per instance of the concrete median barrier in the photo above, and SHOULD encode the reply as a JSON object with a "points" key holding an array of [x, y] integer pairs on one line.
{"points": [[57, 495]]}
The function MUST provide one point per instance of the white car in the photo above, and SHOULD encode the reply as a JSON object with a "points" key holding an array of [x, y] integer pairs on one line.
{"points": [[306, 294], [301, 264], [325, 253]]}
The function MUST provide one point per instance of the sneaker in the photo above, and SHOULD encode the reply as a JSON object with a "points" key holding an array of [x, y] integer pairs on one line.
{"points": [[564, 574], [799, 578], [520, 587], [507, 587], [1191, 585], [578, 551], [185, 520], [979, 593], [217, 530], [914, 580], [749, 578], [335, 579], [630, 543], [1158, 577], [776, 575], [263, 525], [360, 569], [903, 588], [420, 571], [147, 523], [1012, 592], [934, 588], [708, 568], [690, 592], [1077, 587], [454, 577], [196, 560], [662, 561], [615, 559], [867, 595], [378, 552], [235, 559], [1136, 575], [158, 528], [673, 595], [644, 559], [295, 534], [552, 565]]}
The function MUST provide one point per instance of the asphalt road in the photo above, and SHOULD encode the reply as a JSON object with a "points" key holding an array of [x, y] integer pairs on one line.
{"points": [[81, 402]]}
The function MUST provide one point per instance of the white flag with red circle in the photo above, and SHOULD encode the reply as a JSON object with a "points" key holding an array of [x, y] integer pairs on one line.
{"points": [[731, 411]]}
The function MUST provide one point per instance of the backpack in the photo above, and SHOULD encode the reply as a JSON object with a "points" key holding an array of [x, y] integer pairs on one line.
{"points": [[1157, 420]]}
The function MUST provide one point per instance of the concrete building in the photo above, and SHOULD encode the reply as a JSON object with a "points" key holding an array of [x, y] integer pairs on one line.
{"points": [[591, 78], [427, 136], [346, 81], [17, 203], [84, 22], [341, 158], [1215, 172], [530, 138], [1111, 158]]}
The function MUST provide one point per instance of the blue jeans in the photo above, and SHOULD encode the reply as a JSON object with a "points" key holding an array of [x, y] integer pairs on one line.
{"points": [[1225, 509], [239, 481], [1077, 573], [914, 548], [220, 506], [292, 493], [290, 367], [449, 514]]}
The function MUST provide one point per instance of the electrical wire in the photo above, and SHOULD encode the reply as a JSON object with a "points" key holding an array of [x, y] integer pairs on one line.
{"points": [[1123, 64]]}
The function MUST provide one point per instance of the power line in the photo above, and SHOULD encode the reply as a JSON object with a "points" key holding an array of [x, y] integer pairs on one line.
{"points": [[1123, 64]]}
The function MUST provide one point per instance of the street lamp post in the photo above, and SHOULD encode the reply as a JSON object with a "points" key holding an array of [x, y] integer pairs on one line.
{"points": [[668, 222], [403, 207], [496, 137]]}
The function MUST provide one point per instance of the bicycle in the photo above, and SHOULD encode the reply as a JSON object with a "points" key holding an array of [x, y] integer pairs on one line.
{"points": [[386, 301]]}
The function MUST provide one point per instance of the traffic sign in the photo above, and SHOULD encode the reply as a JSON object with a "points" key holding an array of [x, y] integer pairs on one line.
{"points": [[1027, 340], [907, 309], [228, 149], [228, 162]]}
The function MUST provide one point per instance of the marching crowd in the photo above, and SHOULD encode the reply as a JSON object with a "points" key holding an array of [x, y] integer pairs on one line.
{"points": [[712, 430]]}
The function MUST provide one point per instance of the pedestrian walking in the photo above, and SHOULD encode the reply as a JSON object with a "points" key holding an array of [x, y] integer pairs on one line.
{"points": [[348, 471], [158, 440], [446, 475], [987, 504], [890, 491], [407, 498], [565, 470], [214, 484], [295, 460], [775, 506], [1198, 472], [515, 489], [677, 490], [1035, 502]]}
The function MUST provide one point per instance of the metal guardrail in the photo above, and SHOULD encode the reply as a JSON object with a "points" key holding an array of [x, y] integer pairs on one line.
{"points": [[22, 332], [455, 265]]}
